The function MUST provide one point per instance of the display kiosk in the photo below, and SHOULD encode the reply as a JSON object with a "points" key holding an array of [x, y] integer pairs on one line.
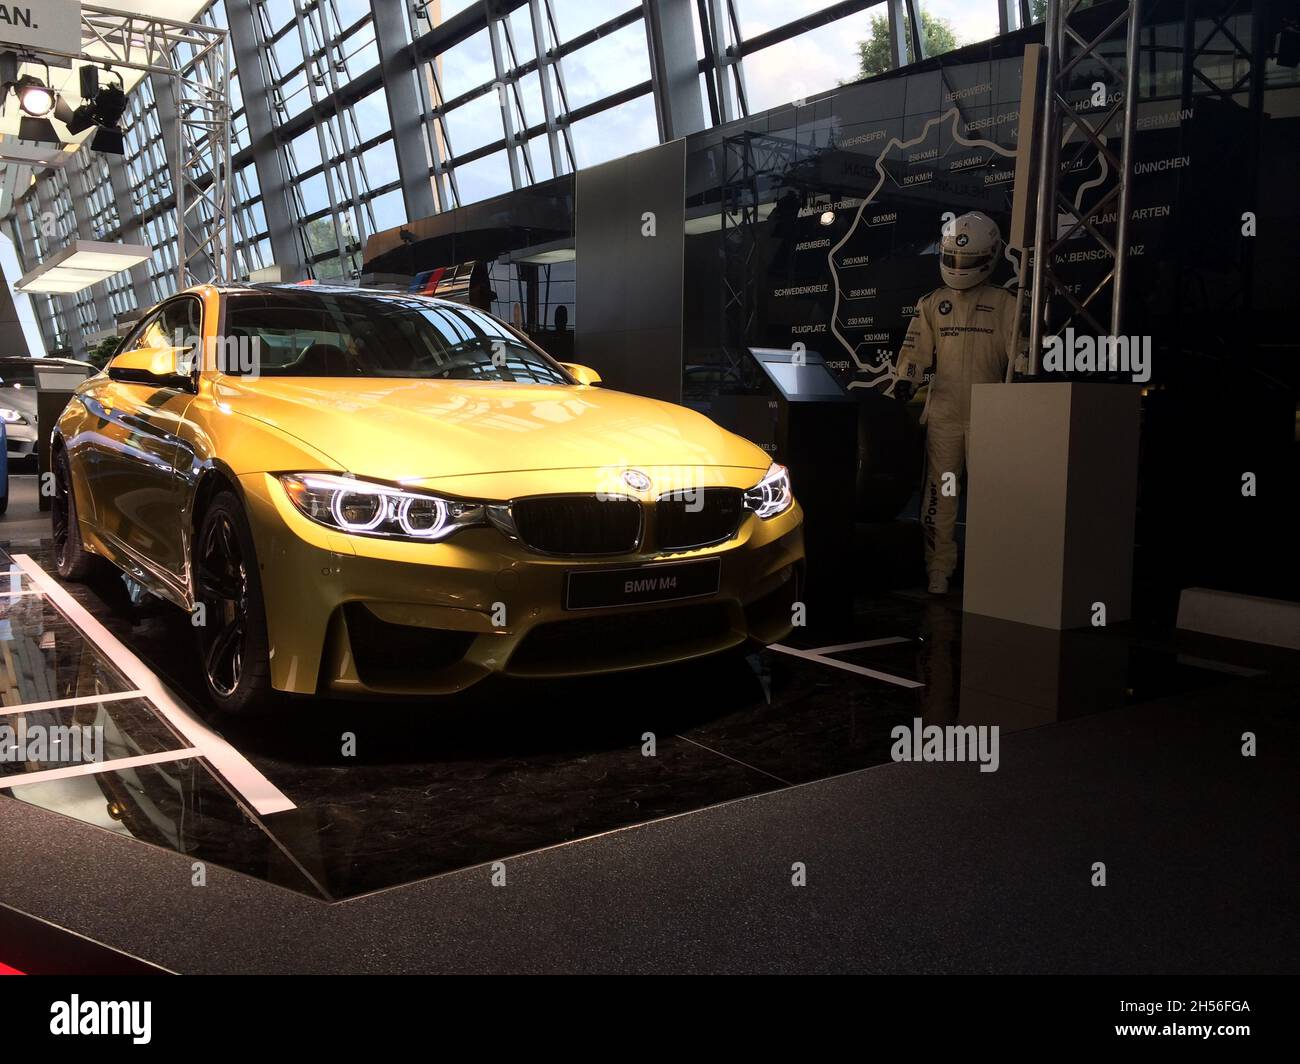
{"points": [[813, 431]]}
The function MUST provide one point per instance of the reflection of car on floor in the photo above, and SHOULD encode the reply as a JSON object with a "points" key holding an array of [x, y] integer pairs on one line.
{"points": [[408, 496], [18, 398]]}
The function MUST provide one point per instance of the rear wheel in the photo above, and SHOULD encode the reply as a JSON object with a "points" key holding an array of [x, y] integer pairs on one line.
{"points": [[71, 558], [234, 651]]}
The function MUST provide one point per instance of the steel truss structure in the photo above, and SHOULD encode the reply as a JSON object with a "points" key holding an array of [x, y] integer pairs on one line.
{"points": [[189, 67], [1064, 125]]}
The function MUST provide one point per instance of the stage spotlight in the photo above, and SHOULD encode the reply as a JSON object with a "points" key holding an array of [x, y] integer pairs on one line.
{"points": [[102, 107], [33, 96], [110, 105]]}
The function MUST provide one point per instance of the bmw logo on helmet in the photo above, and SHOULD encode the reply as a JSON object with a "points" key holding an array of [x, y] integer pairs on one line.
{"points": [[636, 480], [962, 240]]}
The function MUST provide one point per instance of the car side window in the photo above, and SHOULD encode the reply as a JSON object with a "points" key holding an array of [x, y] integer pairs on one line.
{"points": [[161, 328], [177, 322], [181, 319], [141, 337]]}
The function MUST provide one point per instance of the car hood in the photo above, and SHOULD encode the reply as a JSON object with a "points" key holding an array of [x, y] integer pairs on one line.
{"points": [[423, 430]]}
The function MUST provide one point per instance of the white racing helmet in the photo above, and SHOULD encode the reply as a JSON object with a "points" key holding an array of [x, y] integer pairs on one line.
{"points": [[969, 250]]}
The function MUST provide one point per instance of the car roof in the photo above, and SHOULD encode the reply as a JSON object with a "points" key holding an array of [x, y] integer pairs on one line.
{"points": [[313, 291]]}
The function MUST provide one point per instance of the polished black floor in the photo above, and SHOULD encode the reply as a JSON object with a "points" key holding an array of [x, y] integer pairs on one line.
{"points": [[509, 767]]}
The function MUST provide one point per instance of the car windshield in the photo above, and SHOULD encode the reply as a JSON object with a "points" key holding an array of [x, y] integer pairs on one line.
{"points": [[342, 335]]}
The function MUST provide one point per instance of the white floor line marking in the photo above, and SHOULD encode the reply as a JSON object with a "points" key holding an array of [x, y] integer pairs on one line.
{"points": [[80, 700], [93, 768], [887, 641], [808, 655], [236, 769]]}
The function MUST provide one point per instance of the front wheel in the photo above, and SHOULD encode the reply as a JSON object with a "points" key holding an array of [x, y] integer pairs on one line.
{"points": [[234, 650]]}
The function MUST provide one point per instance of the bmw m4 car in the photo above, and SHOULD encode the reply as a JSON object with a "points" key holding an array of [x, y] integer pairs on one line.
{"points": [[379, 494]]}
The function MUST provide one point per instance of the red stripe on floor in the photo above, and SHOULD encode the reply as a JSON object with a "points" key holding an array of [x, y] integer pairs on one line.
{"points": [[6, 970]]}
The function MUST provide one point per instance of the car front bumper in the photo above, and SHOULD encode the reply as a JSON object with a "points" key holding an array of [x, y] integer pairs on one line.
{"points": [[361, 615]]}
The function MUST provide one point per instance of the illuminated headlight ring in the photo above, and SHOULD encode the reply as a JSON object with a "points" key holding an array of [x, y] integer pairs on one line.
{"points": [[363, 508]]}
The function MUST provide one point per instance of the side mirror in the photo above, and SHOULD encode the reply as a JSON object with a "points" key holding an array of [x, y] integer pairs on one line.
{"points": [[166, 367], [581, 374]]}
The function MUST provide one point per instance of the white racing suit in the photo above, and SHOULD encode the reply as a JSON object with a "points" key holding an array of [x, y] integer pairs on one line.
{"points": [[961, 338]]}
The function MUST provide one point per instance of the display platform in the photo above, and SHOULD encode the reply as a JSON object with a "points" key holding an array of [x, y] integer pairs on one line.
{"points": [[466, 783]]}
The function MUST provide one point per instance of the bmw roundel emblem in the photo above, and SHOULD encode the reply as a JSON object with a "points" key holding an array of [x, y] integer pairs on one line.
{"points": [[962, 240], [945, 307], [636, 480]]}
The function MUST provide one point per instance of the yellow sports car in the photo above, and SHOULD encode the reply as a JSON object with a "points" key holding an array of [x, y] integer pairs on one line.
{"points": [[373, 493]]}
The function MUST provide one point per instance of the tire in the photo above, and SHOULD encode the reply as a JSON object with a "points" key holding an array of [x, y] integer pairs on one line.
{"points": [[233, 646], [71, 558]]}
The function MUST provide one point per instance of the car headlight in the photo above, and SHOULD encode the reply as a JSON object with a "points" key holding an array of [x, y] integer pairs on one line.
{"points": [[771, 495], [365, 509], [11, 416]]}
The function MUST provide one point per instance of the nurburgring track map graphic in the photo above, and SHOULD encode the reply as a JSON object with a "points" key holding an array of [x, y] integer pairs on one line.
{"points": [[905, 167]]}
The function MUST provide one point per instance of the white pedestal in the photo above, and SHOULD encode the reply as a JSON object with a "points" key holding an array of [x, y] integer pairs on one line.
{"points": [[1052, 500]]}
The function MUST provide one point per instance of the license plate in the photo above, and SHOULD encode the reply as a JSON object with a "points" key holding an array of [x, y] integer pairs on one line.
{"points": [[590, 589]]}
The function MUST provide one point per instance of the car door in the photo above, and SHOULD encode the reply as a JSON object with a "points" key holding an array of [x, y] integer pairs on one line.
{"points": [[140, 492]]}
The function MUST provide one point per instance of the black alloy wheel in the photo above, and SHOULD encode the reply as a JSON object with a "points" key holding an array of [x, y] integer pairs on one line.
{"points": [[232, 639], [221, 580]]}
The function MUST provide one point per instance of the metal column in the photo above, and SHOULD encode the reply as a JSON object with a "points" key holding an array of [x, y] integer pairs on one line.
{"points": [[405, 111], [272, 176], [674, 69]]}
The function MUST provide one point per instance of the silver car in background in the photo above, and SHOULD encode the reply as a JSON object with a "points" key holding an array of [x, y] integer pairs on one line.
{"points": [[18, 397]]}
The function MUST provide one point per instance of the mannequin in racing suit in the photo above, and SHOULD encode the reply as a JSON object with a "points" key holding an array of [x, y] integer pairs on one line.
{"points": [[960, 336]]}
